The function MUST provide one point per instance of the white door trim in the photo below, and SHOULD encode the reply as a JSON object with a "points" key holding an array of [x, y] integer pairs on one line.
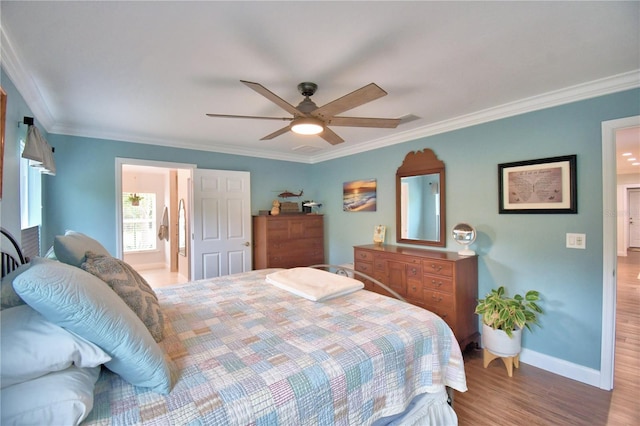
{"points": [[120, 161], [609, 251]]}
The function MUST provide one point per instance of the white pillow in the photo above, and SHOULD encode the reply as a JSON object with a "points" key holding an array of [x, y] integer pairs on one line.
{"points": [[84, 304], [71, 247], [60, 398], [33, 347]]}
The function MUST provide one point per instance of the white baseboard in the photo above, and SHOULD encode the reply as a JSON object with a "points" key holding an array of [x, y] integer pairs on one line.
{"points": [[561, 367]]}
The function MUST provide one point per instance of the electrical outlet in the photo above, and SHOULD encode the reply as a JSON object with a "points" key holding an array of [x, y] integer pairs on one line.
{"points": [[577, 241]]}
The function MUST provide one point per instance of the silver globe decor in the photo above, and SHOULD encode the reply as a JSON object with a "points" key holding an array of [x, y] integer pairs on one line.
{"points": [[465, 235]]}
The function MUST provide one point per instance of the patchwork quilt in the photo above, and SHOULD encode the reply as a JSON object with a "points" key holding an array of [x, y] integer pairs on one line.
{"points": [[245, 352]]}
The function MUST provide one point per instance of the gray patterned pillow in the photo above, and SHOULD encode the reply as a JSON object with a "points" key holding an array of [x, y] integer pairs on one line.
{"points": [[131, 287], [8, 296]]}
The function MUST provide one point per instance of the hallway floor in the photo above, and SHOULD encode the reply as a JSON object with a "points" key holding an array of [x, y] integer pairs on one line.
{"points": [[162, 277]]}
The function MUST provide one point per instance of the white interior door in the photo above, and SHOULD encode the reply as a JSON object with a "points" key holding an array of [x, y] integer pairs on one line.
{"points": [[634, 217], [221, 240]]}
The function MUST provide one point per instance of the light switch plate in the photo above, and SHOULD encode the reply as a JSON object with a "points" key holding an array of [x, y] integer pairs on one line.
{"points": [[577, 241]]}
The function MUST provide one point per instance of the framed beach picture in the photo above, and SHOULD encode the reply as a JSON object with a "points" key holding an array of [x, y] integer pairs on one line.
{"points": [[359, 196], [546, 185]]}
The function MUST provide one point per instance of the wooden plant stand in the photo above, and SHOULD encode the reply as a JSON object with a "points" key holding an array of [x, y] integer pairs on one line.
{"points": [[509, 361]]}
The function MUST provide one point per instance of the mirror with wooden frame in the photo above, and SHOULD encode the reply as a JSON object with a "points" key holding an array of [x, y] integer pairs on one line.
{"points": [[420, 200]]}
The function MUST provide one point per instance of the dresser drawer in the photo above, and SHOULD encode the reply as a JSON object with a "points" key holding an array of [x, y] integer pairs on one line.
{"points": [[363, 255], [438, 299], [364, 267], [290, 259], [414, 272], [279, 246], [447, 314], [438, 282], [415, 290], [438, 267]]}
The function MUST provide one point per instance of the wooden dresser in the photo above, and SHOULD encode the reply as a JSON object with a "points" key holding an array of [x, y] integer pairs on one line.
{"points": [[288, 240], [442, 282]]}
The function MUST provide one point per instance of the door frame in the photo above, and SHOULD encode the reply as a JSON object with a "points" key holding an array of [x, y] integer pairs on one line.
{"points": [[609, 246], [121, 161]]}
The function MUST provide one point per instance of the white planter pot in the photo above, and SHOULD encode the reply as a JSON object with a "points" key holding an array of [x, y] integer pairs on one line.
{"points": [[499, 343]]}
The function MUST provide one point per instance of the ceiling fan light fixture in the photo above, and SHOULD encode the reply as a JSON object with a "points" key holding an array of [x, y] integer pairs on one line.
{"points": [[307, 126]]}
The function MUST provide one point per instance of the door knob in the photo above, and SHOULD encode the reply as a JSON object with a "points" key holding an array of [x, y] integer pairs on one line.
{"points": [[247, 244]]}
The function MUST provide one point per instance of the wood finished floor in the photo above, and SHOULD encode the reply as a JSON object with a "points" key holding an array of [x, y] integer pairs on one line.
{"points": [[536, 397], [161, 277]]}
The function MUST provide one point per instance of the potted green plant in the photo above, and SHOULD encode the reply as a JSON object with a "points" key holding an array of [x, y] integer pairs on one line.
{"points": [[504, 317], [135, 199]]}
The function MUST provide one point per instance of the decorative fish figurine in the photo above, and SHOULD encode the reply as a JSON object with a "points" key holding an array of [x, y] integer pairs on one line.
{"points": [[287, 194]]}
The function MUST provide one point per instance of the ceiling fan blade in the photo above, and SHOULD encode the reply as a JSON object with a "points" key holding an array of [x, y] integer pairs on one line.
{"points": [[354, 99], [250, 116], [276, 133], [272, 97], [330, 136], [386, 123]]}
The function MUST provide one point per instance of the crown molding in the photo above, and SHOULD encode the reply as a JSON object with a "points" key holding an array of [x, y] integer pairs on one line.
{"points": [[23, 81], [592, 89]]}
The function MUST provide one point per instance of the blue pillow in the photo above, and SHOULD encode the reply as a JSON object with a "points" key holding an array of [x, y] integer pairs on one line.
{"points": [[84, 304], [71, 247]]}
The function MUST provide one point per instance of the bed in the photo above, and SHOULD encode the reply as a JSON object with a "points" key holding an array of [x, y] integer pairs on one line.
{"points": [[239, 350]]}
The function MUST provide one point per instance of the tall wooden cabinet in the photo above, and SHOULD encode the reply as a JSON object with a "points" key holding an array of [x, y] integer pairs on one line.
{"points": [[442, 282], [288, 240]]}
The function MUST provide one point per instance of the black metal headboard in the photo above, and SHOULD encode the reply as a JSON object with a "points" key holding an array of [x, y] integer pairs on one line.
{"points": [[11, 259]]}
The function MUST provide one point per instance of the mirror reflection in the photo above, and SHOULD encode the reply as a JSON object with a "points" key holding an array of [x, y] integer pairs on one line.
{"points": [[420, 213], [421, 207], [182, 229]]}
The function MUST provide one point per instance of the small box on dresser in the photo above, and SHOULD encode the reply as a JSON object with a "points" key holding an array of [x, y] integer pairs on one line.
{"points": [[442, 282], [288, 240]]}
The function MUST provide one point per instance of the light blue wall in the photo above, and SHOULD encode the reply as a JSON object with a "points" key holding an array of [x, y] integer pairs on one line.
{"points": [[82, 195], [518, 251]]}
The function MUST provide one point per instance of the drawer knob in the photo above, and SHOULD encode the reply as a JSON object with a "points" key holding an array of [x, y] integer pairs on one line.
{"points": [[436, 267], [436, 298]]}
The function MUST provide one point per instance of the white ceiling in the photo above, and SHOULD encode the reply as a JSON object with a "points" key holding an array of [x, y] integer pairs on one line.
{"points": [[149, 71]]}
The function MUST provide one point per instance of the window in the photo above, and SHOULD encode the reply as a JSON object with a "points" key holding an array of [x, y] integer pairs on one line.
{"points": [[30, 192], [138, 222]]}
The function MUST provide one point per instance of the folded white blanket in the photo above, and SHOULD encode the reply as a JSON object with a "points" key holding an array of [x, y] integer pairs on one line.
{"points": [[313, 284]]}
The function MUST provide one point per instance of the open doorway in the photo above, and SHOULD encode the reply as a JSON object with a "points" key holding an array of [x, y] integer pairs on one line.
{"points": [[148, 221], [618, 177], [209, 237]]}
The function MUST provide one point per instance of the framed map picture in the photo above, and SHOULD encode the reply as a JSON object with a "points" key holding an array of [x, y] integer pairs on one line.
{"points": [[547, 185]]}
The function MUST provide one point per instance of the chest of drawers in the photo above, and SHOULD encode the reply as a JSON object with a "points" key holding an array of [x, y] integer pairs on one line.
{"points": [[442, 282], [287, 241]]}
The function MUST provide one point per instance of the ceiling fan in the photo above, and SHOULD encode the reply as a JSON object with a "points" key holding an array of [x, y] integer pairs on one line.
{"points": [[309, 119]]}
